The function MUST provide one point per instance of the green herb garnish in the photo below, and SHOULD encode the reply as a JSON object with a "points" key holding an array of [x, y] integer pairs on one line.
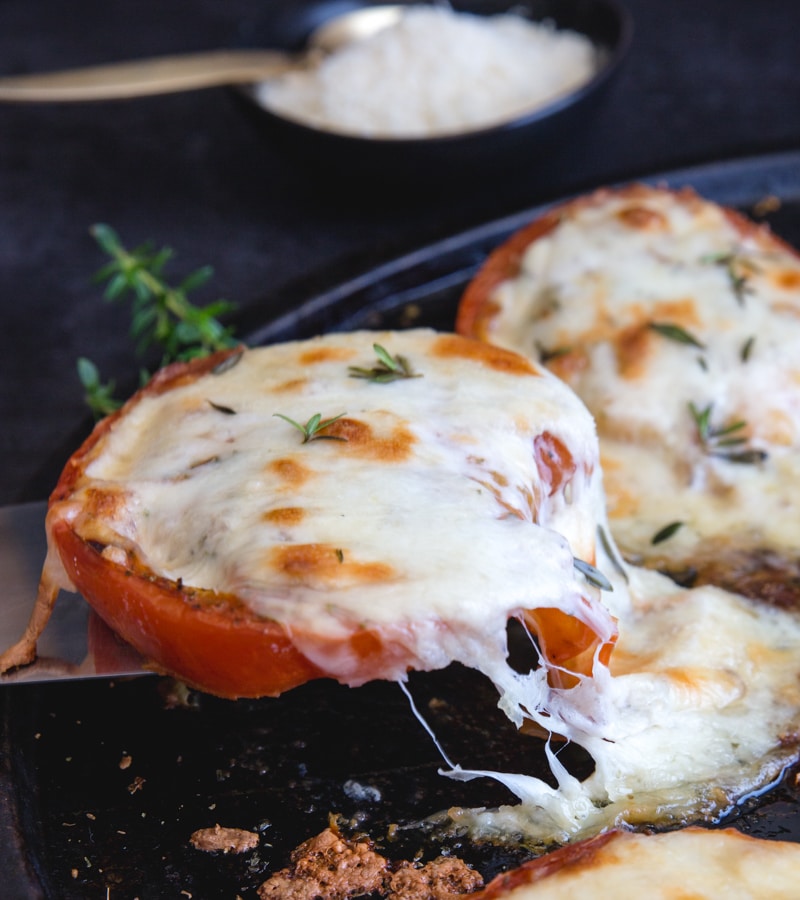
{"points": [[666, 532], [747, 349], [99, 397], [388, 368], [724, 441], [594, 576], [675, 333], [316, 424], [219, 407], [162, 315]]}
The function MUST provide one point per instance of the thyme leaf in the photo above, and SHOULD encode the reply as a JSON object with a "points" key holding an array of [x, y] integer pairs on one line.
{"points": [[99, 397], [388, 368], [311, 431], [228, 363], [747, 348], [675, 333], [594, 576], [219, 407], [665, 533]]}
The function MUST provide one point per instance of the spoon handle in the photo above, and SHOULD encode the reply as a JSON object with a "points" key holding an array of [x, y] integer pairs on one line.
{"points": [[138, 78]]}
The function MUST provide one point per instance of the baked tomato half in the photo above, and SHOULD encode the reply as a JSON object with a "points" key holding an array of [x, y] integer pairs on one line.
{"points": [[258, 518], [675, 319]]}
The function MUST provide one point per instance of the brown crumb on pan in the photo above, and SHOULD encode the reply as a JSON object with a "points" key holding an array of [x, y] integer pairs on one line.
{"points": [[225, 840], [338, 868], [136, 785], [441, 879], [329, 866]]}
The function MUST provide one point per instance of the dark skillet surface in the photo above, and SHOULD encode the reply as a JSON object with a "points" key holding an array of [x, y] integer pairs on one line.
{"points": [[83, 824]]}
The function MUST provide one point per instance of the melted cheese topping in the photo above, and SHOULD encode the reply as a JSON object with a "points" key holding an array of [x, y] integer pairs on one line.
{"points": [[693, 863], [431, 510], [587, 297]]}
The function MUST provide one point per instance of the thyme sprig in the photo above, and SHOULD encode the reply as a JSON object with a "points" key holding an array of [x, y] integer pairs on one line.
{"points": [[724, 441], [311, 431], [388, 368], [676, 333], [162, 314]]}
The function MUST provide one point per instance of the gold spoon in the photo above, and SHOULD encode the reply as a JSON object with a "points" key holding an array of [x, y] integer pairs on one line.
{"points": [[215, 68]]}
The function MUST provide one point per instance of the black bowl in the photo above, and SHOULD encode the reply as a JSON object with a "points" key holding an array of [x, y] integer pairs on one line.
{"points": [[401, 161]]}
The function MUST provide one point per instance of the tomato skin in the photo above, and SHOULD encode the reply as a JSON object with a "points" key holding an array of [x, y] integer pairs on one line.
{"points": [[215, 644], [580, 856], [476, 308]]}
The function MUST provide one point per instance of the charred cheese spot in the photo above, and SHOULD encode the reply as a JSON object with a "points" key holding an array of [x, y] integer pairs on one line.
{"points": [[786, 279], [325, 355], [682, 311], [569, 365], [290, 470], [104, 503], [486, 354], [642, 218], [286, 515], [360, 438], [633, 347], [325, 564], [292, 384]]}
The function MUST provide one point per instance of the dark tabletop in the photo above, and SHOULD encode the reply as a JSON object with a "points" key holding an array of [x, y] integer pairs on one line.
{"points": [[704, 81]]}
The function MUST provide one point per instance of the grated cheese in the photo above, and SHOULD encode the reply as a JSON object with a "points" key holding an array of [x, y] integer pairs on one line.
{"points": [[435, 72]]}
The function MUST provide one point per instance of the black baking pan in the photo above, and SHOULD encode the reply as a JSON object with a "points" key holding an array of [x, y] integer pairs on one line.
{"points": [[102, 783]]}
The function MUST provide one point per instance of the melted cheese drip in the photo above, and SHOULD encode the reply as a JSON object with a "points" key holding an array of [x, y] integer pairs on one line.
{"points": [[593, 284], [701, 707]]}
